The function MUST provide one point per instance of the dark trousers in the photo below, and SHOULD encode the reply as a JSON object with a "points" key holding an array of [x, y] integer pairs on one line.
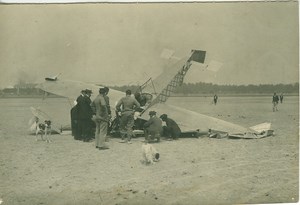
{"points": [[169, 132], [84, 129], [75, 130]]}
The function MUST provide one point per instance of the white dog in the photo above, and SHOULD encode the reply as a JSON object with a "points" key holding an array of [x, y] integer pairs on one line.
{"points": [[149, 154], [41, 128]]}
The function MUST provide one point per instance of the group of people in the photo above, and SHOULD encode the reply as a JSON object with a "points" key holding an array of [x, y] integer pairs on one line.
{"points": [[276, 99], [153, 128], [81, 115], [90, 119]]}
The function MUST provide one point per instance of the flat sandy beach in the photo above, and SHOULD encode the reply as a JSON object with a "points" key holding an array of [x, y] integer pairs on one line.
{"points": [[191, 171]]}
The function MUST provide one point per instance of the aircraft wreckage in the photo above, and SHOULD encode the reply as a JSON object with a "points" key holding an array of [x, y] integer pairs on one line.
{"points": [[156, 91]]}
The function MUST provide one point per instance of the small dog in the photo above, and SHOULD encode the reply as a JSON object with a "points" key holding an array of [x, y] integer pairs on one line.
{"points": [[149, 154], [42, 129]]}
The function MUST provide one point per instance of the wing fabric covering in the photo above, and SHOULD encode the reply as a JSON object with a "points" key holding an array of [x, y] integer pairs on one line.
{"points": [[157, 85], [72, 89], [58, 110], [172, 77], [193, 121], [57, 124]]}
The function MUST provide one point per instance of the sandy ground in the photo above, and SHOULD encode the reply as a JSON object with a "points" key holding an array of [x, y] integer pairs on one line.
{"points": [[191, 171]]}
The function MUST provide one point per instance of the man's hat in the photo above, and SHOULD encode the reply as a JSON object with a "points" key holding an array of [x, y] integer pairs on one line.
{"points": [[88, 91], [164, 116], [106, 89], [102, 90], [152, 113]]}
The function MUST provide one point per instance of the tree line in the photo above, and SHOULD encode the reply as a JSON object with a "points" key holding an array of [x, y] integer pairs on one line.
{"points": [[209, 88], [186, 88]]}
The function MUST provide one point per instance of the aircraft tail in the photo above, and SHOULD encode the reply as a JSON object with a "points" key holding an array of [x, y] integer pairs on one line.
{"points": [[172, 77]]}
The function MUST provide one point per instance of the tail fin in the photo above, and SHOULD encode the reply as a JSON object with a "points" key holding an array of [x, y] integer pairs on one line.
{"points": [[172, 77]]}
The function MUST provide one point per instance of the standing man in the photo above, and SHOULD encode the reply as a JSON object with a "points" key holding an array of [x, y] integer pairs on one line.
{"points": [[275, 102], [129, 104], [74, 122], [281, 98], [106, 98], [172, 129], [78, 124], [215, 99], [84, 116], [101, 120], [89, 121], [153, 127]]}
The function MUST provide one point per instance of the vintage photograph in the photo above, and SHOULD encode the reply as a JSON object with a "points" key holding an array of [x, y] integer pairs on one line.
{"points": [[149, 103]]}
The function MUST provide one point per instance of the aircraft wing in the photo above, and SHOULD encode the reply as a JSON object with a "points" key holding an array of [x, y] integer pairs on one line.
{"points": [[57, 124], [71, 90], [192, 121], [58, 111]]}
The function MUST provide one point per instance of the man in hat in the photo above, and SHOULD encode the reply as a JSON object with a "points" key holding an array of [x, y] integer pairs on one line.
{"points": [[171, 129], [128, 104], [153, 127], [84, 116], [100, 118]]}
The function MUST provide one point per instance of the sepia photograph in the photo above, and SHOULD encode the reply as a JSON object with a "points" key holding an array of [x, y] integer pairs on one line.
{"points": [[130, 103]]}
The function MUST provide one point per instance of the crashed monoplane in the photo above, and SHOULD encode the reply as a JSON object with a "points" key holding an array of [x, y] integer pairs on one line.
{"points": [[156, 92]]}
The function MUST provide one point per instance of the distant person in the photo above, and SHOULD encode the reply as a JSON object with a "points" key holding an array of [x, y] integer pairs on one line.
{"points": [[128, 104], [171, 129], [153, 127], [281, 98], [215, 100], [101, 120], [275, 101]]}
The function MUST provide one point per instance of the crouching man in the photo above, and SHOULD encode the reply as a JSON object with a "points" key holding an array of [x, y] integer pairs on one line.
{"points": [[153, 127], [171, 129]]}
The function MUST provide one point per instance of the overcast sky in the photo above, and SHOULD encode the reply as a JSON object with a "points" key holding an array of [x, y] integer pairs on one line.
{"points": [[116, 44]]}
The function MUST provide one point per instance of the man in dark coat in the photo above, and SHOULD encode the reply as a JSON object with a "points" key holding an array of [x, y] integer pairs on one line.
{"points": [[153, 127], [171, 129], [215, 99], [84, 116], [74, 123]]}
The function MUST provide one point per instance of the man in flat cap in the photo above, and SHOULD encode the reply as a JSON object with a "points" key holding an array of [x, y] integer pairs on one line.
{"points": [[171, 129], [153, 127], [100, 118]]}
